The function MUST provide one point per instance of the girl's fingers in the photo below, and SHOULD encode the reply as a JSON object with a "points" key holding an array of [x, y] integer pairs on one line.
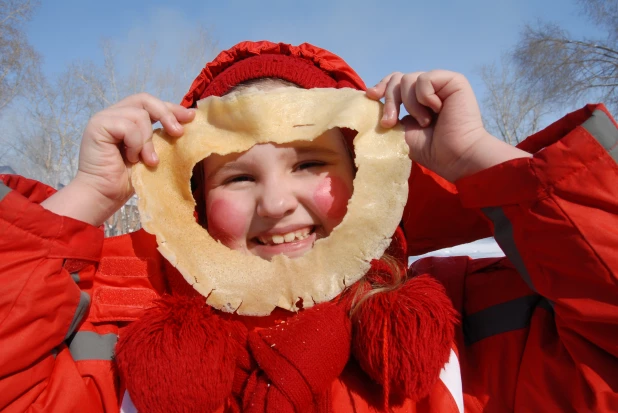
{"points": [[426, 91], [123, 131], [409, 93], [418, 139], [127, 132], [396, 89], [377, 92], [130, 121], [149, 156], [157, 111], [392, 101], [144, 125], [412, 139], [181, 113], [138, 116]]}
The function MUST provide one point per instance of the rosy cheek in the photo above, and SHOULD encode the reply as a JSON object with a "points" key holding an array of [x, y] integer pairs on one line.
{"points": [[225, 222], [331, 197]]}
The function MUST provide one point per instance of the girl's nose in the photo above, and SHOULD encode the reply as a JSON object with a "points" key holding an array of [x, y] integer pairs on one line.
{"points": [[277, 199]]}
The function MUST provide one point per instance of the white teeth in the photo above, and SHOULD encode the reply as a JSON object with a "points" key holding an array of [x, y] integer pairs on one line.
{"points": [[288, 237]]}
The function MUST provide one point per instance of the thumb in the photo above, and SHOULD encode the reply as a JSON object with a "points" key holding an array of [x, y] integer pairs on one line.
{"points": [[417, 138]]}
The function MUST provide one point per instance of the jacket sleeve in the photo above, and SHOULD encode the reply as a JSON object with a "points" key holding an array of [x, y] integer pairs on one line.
{"points": [[434, 217], [41, 305], [555, 215]]}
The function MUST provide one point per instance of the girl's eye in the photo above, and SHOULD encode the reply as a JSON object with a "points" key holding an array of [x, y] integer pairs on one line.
{"points": [[310, 164], [239, 178]]}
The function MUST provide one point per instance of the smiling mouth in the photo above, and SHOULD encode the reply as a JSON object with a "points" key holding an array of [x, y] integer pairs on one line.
{"points": [[287, 238]]}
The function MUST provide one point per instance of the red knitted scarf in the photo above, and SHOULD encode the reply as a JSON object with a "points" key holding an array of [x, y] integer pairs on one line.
{"points": [[204, 360], [184, 356]]}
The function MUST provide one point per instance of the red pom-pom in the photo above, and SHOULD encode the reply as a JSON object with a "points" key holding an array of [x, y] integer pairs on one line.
{"points": [[406, 335], [178, 357]]}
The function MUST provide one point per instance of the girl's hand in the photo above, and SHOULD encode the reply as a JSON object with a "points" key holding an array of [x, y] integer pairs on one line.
{"points": [[114, 139], [444, 130]]}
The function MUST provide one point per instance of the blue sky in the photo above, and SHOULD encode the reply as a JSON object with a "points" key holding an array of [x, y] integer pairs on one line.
{"points": [[374, 37]]}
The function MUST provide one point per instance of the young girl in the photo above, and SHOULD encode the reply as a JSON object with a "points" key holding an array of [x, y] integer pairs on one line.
{"points": [[536, 331]]}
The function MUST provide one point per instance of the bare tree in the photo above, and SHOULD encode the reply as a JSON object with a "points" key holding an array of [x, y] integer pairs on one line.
{"points": [[199, 49], [549, 70], [565, 69], [17, 57], [46, 146], [109, 83], [45, 142], [511, 112]]}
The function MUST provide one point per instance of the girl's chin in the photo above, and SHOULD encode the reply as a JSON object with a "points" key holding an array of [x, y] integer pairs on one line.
{"points": [[290, 249]]}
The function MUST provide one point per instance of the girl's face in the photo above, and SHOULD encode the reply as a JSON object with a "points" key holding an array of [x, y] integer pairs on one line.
{"points": [[279, 199]]}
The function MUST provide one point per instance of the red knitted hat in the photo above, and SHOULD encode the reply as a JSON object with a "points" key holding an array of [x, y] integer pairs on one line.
{"points": [[305, 65]]}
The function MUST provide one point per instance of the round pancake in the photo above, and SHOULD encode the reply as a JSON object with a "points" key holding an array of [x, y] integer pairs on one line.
{"points": [[249, 285]]}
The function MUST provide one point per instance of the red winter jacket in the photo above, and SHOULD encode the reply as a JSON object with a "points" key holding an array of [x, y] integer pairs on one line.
{"points": [[539, 329]]}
